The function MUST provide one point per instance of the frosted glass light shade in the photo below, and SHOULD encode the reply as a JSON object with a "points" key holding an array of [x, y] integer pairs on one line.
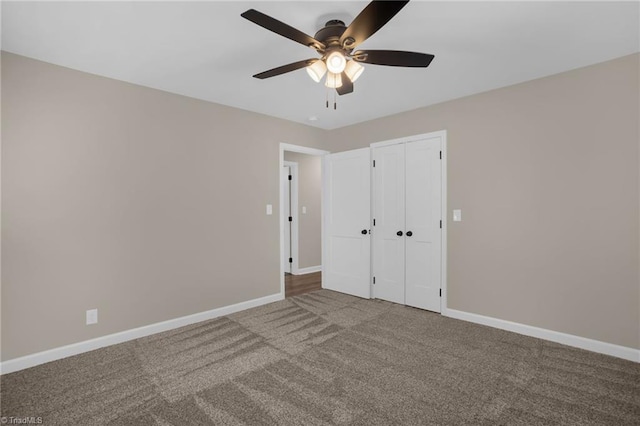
{"points": [[336, 62], [353, 70], [317, 70], [333, 80]]}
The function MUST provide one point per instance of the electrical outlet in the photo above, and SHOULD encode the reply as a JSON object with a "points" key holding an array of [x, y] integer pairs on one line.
{"points": [[92, 316]]}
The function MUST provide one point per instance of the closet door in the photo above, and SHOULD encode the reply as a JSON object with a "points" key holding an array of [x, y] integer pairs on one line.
{"points": [[423, 233], [388, 232], [347, 206]]}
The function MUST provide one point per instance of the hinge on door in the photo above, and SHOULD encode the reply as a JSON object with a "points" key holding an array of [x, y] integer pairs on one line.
{"points": [[290, 219], [374, 222], [440, 224], [374, 163], [440, 292], [374, 280], [441, 155], [289, 177], [291, 260]]}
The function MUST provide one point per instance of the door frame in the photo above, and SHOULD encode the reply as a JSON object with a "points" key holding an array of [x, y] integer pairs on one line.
{"points": [[293, 200], [301, 150], [443, 213]]}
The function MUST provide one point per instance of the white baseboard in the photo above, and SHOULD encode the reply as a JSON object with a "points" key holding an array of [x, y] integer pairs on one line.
{"points": [[310, 269], [553, 336], [32, 360]]}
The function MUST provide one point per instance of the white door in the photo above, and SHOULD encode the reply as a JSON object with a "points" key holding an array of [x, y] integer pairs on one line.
{"points": [[346, 205], [423, 234], [286, 212], [389, 223], [407, 238]]}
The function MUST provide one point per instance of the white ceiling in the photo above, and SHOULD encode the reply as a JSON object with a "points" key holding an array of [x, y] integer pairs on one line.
{"points": [[206, 50]]}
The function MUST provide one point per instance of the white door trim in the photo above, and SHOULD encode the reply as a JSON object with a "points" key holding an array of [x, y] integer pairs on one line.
{"points": [[293, 168], [302, 150], [443, 135], [443, 243]]}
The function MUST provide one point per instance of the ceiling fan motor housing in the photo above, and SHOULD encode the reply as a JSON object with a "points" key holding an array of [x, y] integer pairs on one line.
{"points": [[331, 33]]}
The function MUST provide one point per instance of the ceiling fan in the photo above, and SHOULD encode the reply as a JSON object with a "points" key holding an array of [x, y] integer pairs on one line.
{"points": [[335, 43]]}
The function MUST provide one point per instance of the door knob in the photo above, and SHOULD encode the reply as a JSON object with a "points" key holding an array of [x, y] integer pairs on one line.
{"points": [[363, 232], [409, 233], [399, 233]]}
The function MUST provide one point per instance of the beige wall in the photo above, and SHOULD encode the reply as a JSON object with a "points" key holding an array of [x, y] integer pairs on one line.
{"points": [[546, 175], [146, 205], [309, 196], [129, 200]]}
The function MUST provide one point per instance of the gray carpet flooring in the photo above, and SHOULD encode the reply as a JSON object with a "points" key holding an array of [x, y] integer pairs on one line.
{"points": [[325, 358]]}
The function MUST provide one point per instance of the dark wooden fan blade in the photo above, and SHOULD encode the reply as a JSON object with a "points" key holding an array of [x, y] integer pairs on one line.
{"points": [[281, 28], [371, 19], [394, 58], [347, 85], [285, 68]]}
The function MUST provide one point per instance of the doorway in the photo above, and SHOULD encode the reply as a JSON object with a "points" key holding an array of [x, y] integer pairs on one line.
{"points": [[300, 219]]}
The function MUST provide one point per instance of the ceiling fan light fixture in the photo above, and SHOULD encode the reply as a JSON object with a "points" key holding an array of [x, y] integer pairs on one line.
{"points": [[333, 80], [339, 64], [353, 70], [336, 62], [317, 70]]}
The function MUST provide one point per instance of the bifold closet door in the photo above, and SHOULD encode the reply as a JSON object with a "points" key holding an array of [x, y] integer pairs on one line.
{"points": [[407, 237], [389, 215], [423, 248], [346, 257]]}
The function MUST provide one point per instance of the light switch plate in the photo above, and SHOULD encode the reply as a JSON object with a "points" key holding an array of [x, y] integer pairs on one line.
{"points": [[304, 210], [92, 316], [269, 209], [457, 215]]}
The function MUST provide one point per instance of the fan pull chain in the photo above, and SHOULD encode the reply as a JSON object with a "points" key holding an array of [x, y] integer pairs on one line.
{"points": [[335, 103]]}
